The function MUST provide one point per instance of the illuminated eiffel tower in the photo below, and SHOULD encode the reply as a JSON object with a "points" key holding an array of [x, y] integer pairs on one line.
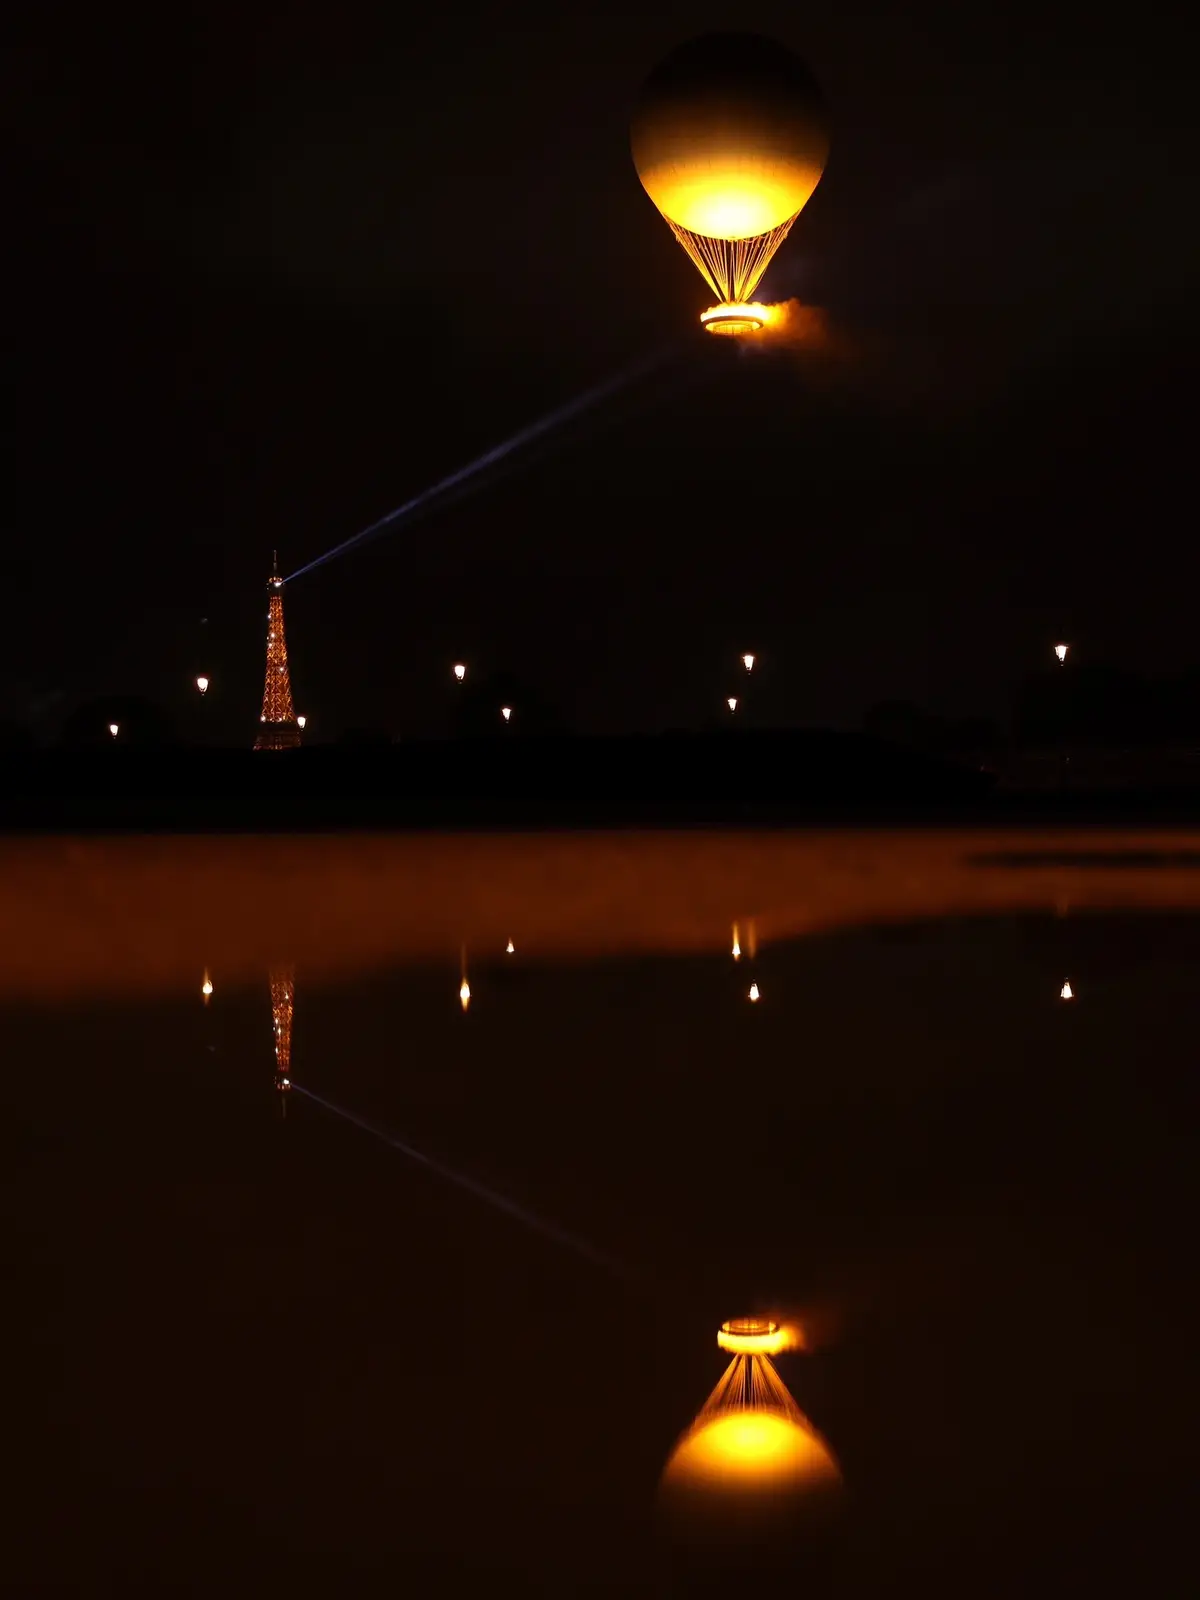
{"points": [[278, 728], [283, 1001]]}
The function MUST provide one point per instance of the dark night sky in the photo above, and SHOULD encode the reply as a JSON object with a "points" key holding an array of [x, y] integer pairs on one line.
{"points": [[274, 270]]}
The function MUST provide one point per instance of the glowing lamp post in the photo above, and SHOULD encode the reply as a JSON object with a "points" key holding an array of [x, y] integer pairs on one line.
{"points": [[506, 713], [732, 702], [114, 728], [301, 722], [460, 671], [202, 684], [1060, 650], [748, 663], [206, 988]]}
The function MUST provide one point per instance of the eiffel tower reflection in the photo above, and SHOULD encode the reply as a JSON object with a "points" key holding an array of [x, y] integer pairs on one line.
{"points": [[283, 1001]]}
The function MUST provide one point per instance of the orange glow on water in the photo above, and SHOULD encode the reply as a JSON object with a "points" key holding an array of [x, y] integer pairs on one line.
{"points": [[400, 899], [753, 1450], [751, 1458]]}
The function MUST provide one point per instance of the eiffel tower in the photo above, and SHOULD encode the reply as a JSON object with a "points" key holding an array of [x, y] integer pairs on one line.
{"points": [[278, 728], [283, 1001]]}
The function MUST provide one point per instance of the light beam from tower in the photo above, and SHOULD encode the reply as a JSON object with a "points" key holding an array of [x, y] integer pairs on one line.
{"points": [[278, 728]]}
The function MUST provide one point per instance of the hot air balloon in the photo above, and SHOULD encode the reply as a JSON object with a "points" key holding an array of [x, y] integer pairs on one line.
{"points": [[730, 138]]}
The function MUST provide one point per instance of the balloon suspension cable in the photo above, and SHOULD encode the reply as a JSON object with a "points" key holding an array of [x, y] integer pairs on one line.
{"points": [[750, 1383], [733, 268]]}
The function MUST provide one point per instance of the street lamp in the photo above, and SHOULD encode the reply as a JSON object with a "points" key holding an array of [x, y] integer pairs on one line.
{"points": [[114, 728], [1060, 650], [460, 671], [732, 702], [202, 684], [506, 713], [300, 721], [748, 663]]}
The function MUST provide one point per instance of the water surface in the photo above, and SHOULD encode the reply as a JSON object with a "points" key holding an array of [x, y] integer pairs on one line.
{"points": [[265, 1352]]}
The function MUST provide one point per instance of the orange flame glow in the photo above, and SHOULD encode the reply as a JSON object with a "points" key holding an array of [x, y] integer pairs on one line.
{"points": [[737, 317], [756, 1336]]}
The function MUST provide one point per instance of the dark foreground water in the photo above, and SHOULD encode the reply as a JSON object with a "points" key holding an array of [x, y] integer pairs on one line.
{"points": [[255, 1354]]}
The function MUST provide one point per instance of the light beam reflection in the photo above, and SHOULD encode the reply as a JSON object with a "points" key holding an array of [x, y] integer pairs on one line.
{"points": [[491, 1197]]}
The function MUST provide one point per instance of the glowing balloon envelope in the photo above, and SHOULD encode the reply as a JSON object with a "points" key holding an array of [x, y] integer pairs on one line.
{"points": [[730, 138]]}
